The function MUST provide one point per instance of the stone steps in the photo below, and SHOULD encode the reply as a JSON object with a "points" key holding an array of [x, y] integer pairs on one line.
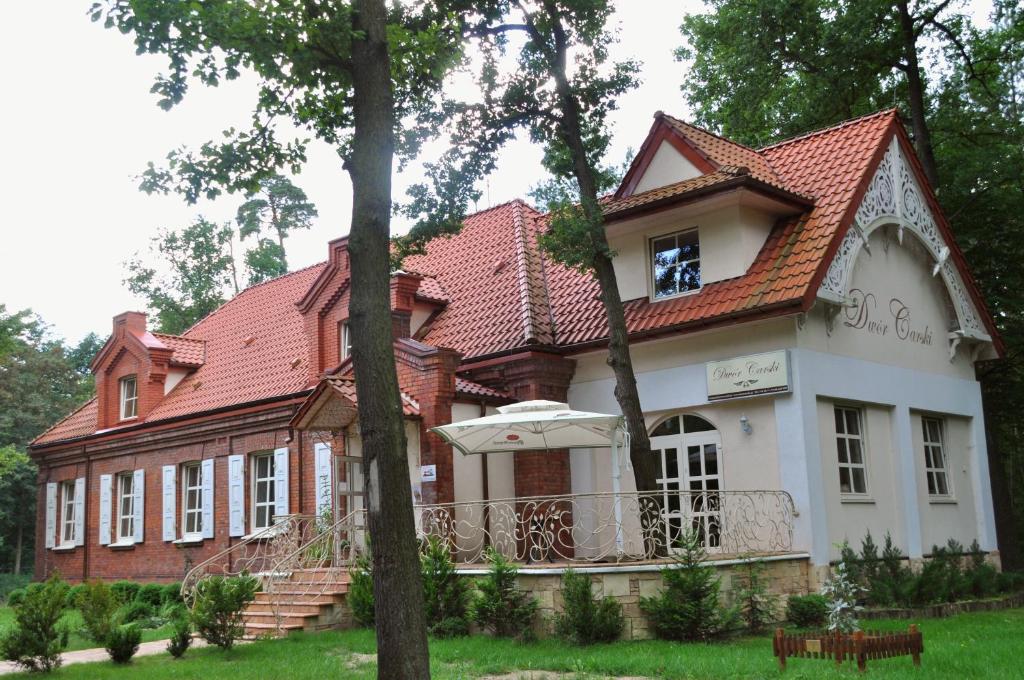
{"points": [[308, 599]]}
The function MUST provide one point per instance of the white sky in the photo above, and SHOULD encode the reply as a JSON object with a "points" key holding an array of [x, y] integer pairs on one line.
{"points": [[77, 125]]}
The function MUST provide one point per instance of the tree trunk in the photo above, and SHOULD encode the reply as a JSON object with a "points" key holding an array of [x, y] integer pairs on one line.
{"points": [[402, 652], [626, 394], [915, 90], [17, 549]]}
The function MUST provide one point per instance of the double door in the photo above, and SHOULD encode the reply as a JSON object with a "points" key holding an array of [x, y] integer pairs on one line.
{"points": [[690, 478]]}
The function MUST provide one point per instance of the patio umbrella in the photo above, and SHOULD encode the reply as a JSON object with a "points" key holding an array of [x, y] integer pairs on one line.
{"points": [[542, 425]]}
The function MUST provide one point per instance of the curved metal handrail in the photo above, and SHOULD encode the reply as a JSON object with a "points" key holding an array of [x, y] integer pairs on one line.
{"points": [[252, 555]]}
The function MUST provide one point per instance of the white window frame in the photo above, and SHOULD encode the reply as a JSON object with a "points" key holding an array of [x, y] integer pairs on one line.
{"points": [[126, 400], [651, 278], [846, 437], [269, 501], [67, 518], [931, 447], [197, 509], [344, 341], [125, 493]]}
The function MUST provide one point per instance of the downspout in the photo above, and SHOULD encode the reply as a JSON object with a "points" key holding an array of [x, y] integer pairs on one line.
{"points": [[486, 487]]}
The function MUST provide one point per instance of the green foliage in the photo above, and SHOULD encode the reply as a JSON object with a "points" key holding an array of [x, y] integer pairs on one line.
{"points": [[125, 591], [278, 207], [181, 637], [122, 643], [757, 605], [360, 591], [171, 593], [842, 594], [500, 607], [136, 611], [73, 594], [445, 593], [10, 583], [584, 619], [98, 606], [982, 577], [688, 608], [807, 611], [151, 593], [37, 638], [16, 597], [219, 604]]}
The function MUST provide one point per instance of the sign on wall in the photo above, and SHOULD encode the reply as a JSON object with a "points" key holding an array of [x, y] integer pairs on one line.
{"points": [[748, 376]]}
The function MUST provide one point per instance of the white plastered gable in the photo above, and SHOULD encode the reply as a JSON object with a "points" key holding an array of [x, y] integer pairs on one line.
{"points": [[894, 198], [668, 166]]}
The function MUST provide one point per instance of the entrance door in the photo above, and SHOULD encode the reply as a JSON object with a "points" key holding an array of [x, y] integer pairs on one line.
{"points": [[689, 474], [350, 492]]}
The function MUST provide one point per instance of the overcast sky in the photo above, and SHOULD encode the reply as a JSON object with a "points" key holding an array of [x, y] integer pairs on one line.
{"points": [[77, 125]]}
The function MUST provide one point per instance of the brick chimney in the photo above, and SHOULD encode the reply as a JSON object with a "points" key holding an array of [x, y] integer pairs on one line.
{"points": [[403, 298]]}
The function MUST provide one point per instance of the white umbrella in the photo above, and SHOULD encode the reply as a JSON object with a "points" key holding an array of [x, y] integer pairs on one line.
{"points": [[533, 425]]}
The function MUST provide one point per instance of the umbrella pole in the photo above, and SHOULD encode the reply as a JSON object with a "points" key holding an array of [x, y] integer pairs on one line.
{"points": [[616, 491]]}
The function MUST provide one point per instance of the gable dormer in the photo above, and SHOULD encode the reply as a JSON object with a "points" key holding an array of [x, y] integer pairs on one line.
{"points": [[135, 369]]}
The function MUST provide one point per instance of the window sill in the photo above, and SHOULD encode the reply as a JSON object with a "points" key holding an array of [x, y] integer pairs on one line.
{"points": [[857, 500], [122, 545], [675, 296], [189, 540], [64, 548], [942, 501]]}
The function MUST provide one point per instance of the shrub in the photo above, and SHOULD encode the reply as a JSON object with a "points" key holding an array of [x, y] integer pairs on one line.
{"points": [[360, 591], [152, 594], [181, 637], [171, 593], [136, 611], [585, 619], [807, 611], [982, 577], [220, 601], [74, 592], [12, 582], [15, 597], [445, 593], [688, 608], [500, 606], [123, 642], [98, 606], [1010, 581], [171, 611], [37, 638], [842, 594], [893, 581], [125, 591], [757, 605]]}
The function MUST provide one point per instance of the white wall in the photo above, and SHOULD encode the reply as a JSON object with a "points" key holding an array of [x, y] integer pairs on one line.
{"points": [[667, 167], [955, 516]]}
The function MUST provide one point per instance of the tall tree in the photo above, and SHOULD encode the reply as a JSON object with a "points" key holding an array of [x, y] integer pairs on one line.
{"points": [[194, 277], [769, 69], [18, 511], [561, 89], [366, 78], [279, 207]]}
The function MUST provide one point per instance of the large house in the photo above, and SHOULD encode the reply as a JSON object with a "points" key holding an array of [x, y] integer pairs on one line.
{"points": [[803, 327]]}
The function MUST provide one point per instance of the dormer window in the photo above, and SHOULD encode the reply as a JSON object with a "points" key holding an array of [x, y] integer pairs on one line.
{"points": [[675, 264], [344, 341], [129, 397]]}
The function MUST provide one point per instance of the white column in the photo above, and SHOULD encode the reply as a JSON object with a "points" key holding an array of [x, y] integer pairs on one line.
{"points": [[906, 477], [981, 485]]}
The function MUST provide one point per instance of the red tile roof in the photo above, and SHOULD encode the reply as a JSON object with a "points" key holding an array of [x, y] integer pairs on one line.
{"points": [[501, 294], [468, 387], [347, 388]]}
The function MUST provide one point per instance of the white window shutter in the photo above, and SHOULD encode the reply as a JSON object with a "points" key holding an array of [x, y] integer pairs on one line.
{"points": [[170, 494], [80, 511], [51, 514], [281, 481], [106, 481], [236, 495], [324, 478], [208, 498], [139, 505]]}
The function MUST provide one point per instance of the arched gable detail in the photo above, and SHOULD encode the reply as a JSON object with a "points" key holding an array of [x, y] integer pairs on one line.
{"points": [[895, 198]]}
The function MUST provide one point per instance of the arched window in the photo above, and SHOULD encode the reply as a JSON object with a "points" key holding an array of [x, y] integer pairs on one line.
{"points": [[688, 448]]}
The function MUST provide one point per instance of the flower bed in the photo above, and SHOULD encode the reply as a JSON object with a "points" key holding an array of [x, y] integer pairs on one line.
{"points": [[859, 646], [939, 611]]}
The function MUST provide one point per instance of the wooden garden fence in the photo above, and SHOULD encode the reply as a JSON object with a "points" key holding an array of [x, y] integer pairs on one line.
{"points": [[860, 646]]}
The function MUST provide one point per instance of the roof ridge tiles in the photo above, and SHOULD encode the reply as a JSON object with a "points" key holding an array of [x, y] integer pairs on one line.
{"points": [[831, 128], [710, 132]]}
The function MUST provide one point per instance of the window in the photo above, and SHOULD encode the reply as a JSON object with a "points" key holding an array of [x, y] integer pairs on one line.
{"points": [[67, 525], [344, 341], [850, 446], [125, 507], [192, 498], [935, 463], [262, 491], [129, 397], [675, 263]]}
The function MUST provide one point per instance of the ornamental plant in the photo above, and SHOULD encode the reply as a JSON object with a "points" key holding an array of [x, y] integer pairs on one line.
{"points": [[37, 637], [807, 611], [585, 619], [181, 637], [97, 605], [842, 593], [220, 602], [758, 606], [123, 642], [445, 593], [500, 606], [360, 590]]}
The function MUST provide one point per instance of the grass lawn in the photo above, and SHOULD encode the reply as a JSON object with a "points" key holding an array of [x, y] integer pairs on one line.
{"points": [[74, 621], [981, 645]]}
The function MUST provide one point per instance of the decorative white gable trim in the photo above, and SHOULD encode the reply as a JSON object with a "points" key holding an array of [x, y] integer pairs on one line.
{"points": [[895, 198]]}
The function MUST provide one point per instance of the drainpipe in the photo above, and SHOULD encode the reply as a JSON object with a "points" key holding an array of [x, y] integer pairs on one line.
{"points": [[486, 485]]}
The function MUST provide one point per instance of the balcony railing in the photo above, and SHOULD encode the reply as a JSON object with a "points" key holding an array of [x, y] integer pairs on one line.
{"points": [[606, 527]]}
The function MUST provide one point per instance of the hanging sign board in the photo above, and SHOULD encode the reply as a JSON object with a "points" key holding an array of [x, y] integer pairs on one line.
{"points": [[749, 376], [428, 473]]}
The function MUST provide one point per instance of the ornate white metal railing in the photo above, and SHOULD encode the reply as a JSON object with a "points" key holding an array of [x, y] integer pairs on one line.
{"points": [[256, 554], [606, 527]]}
